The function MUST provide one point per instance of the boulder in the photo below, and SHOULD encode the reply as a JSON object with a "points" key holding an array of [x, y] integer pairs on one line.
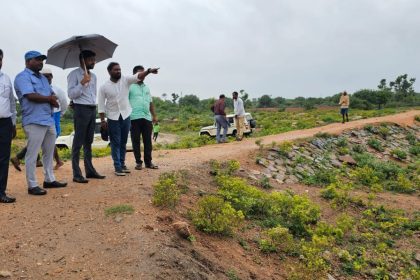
{"points": [[347, 159], [182, 229]]}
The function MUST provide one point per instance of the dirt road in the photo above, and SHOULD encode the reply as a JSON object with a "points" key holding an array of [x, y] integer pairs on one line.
{"points": [[65, 234]]}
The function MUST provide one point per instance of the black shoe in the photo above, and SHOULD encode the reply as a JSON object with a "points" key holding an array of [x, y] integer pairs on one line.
{"points": [[138, 166], [81, 180], [125, 169], [54, 184], [37, 191], [15, 161], [7, 199], [95, 176], [151, 166], [119, 173]]}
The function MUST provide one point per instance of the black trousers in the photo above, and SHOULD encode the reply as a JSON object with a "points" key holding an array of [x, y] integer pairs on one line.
{"points": [[142, 128], [84, 118], [6, 127], [22, 153]]}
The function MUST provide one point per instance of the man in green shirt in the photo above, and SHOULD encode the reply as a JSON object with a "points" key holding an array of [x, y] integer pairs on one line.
{"points": [[142, 118], [156, 129]]}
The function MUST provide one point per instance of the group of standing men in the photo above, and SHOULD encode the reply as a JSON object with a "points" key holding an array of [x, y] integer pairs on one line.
{"points": [[221, 120], [119, 98]]}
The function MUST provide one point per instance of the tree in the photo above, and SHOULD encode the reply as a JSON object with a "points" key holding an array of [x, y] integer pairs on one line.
{"points": [[189, 100], [265, 101], [377, 97], [244, 95], [175, 97], [403, 86], [164, 95]]}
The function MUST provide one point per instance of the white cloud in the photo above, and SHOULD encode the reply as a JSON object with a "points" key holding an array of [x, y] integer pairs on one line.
{"points": [[283, 48]]}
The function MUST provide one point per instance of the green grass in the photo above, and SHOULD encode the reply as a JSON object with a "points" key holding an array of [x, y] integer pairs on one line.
{"points": [[119, 209]]}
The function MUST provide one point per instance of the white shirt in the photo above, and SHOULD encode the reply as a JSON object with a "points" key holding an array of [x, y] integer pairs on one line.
{"points": [[62, 100], [113, 98], [7, 98], [238, 107]]}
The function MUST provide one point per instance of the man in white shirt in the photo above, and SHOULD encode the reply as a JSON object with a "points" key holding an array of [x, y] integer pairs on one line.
{"points": [[58, 112], [113, 101], [238, 106], [7, 130]]}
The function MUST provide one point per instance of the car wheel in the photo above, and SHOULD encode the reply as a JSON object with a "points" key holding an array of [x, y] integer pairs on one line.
{"points": [[234, 133], [204, 134]]}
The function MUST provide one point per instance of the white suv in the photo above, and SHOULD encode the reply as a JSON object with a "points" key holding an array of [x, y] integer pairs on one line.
{"points": [[249, 125], [66, 141]]}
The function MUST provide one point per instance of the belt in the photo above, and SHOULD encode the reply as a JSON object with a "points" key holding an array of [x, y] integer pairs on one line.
{"points": [[85, 105]]}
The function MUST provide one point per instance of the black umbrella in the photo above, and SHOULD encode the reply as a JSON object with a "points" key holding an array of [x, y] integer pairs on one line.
{"points": [[65, 54]]}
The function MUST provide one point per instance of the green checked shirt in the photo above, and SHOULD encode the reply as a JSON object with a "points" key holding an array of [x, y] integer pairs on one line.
{"points": [[140, 99]]}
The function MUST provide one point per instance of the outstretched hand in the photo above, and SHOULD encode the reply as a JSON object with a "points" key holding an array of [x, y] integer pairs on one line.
{"points": [[153, 70]]}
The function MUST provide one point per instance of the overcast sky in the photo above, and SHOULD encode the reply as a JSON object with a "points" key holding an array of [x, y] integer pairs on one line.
{"points": [[311, 48]]}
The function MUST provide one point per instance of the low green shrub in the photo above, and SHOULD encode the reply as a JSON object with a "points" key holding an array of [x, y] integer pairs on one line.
{"points": [[399, 154], [342, 142], [285, 147], [248, 199], [384, 131], [411, 138], [358, 148], [324, 135], [369, 128], [277, 239], [214, 215], [343, 151], [168, 189], [119, 209], [292, 211], [414, 150], [365, 176], [375, 144], [322, 177], [265, 182], [402, 184], [338, 193], [224, 168]]}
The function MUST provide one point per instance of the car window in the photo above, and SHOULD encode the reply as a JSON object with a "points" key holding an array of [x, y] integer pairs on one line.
{"points": [[97, 128], [230, 120]]}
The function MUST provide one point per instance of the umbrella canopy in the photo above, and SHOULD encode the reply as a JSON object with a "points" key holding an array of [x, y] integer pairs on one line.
{"points": [[65, 54]]}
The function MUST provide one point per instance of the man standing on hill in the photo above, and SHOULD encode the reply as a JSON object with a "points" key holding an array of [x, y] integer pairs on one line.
{"points": [[239, 110], [81, 89], [344, 103], [113, 100], [58, 112], [220, 119], [142, 119], [37, 101], [7, 130]]}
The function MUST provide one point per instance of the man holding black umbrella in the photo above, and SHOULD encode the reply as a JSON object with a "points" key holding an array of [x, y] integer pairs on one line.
{"points": [[82, 91]]}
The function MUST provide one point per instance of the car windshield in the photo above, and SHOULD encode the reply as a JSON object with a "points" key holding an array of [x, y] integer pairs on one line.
{"points": [[97, 128]]}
